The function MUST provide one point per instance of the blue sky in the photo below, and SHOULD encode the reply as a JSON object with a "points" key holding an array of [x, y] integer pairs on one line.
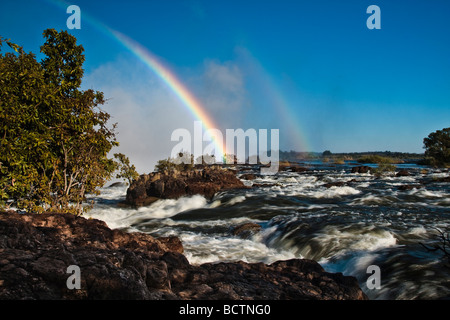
{"points": [[309, 68]]}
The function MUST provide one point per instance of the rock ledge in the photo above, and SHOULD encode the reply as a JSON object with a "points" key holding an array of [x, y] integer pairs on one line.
{"points": [[36, 250], [148, 188]]}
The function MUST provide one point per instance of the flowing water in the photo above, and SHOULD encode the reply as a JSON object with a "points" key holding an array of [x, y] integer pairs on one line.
{"points": [[366, 221]]}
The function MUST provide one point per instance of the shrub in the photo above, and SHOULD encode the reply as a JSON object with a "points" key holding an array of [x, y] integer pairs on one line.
{"points": [[183, 162], [54, 138], [376, 159], [383, 169], [437, 147]]}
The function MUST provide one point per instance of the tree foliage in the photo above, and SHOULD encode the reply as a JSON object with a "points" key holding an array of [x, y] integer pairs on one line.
{"points": [[377, 159], [437, 147], [125, 169], [54, 138], [184, 162], [383, 169]]}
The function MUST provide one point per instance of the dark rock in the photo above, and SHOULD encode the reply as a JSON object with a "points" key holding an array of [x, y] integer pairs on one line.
{"points": [[298, 169], [172, 243], [361, 169], [335, 184], [292, 279], [35, 251], [246, 230], [117, 185], [443, 179], [402, 173], [431, 180], [248, 176], [291, 167], [172, 185], [406, 187]]}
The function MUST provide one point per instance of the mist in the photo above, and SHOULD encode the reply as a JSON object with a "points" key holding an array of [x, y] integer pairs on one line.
{"points": [[148, 111]]}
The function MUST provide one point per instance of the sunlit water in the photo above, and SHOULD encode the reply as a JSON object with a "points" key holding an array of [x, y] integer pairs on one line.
{"points": [[369, 221]]}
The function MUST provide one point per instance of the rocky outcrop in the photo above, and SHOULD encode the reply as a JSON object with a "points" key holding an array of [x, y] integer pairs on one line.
{"points": [[36, 251], [286, 166], [248, 176], [175, 184], [442, 179], [403, 173], [298, 169], [361, 169], [335, 184], [407, 187]]}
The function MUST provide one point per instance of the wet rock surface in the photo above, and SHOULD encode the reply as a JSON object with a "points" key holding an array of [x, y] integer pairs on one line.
{"points": [[360, 169], [36, 250], [175, 184], [246, 230]]}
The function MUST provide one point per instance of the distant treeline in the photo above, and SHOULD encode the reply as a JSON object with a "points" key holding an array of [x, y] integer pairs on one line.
{"points": [[295, 155]]}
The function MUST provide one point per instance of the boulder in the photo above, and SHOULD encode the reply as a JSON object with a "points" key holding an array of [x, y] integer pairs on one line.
{"points": [[175, 184], [298, 169], [37, 250], [291, 167], [335, 184], [361, 169], [443, 179], [406, 187], [246, 230], [248, 176], [118, 185], [403, 173]]}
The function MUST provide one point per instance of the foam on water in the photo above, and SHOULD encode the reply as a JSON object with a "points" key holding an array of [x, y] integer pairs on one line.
{"points": [[124, 218], [336, 192], [345, 228], [202, 249], [235, 200]]}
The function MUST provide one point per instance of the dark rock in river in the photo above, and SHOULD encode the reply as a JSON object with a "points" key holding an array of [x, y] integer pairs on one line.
{"points": [[246, 230], [402, 173], [292, 167], [118, 185], [443, 179], [248, 176], [175, 184], [36, 251], [335, 184], [361, 169], [406, 187], [298, 169]]}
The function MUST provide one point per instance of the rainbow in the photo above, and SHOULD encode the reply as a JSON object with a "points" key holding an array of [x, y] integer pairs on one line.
{"points": [[291, 123], [183, 94], [164, 73], [283, 107], [274, 94]]}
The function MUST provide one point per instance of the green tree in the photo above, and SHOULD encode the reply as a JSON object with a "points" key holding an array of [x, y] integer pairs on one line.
{"points": [[184, 162], [373, 158], [126, 170], [54, 138], [437, 147], [383, 169]]}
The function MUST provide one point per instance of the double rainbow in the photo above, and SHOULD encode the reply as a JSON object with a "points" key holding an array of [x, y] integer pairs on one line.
{"points": [[183, 94], [280, 105], [164, 73]]}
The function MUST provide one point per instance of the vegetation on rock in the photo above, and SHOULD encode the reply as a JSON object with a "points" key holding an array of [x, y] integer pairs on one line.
{"points": [[54, 137]]}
